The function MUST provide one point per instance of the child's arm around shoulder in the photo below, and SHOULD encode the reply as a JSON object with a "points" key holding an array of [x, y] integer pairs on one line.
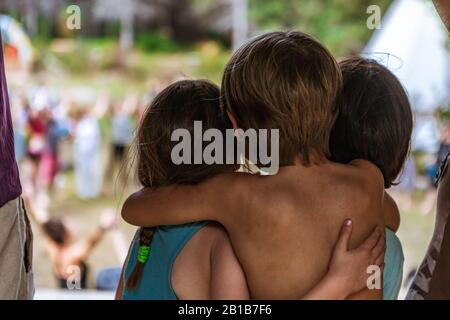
{"points": [[391, 213], [214, 199]]}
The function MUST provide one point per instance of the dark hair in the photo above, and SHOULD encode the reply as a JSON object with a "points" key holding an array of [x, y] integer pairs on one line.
{"points": [[176, 107], [286, 81], [375, 119], [56, 230]]}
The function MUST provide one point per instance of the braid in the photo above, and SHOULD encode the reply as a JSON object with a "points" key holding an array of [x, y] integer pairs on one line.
{"points": [[145, 239]]}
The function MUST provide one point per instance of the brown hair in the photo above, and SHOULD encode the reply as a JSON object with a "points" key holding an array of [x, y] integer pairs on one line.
{"points": [[55, 229], [375, 119], [286, 81], [177, 106]]}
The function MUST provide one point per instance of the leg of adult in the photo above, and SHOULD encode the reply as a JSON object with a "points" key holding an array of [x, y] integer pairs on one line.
{"points": [[432, 280], [16, 241]]}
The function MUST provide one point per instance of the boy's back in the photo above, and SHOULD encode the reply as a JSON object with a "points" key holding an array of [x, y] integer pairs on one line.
{"points": [[286, 236]]}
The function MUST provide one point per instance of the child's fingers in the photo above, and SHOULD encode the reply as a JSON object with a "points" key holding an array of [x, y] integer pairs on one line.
{"points": [[344, 235], [372, 240], [379, 260], [379, 256], [380, 247]]}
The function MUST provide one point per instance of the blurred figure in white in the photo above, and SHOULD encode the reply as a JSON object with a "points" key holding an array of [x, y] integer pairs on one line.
{"points": [[86, 153], [123, 125]]}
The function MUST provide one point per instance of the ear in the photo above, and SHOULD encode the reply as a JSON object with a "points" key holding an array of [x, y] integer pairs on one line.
{"points": [[232, 119]]}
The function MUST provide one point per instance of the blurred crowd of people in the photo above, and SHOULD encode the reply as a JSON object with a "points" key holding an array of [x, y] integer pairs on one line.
{"points": [[420, 172], [89, 134], [98, 129]]}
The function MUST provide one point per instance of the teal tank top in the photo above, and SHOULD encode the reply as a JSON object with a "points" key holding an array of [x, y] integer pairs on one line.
{"points": [[166, 244], [168, 241], [393, 270]]}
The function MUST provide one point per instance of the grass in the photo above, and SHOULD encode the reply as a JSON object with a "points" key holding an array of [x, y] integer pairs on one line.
{"points": [[94, 64], [415, 233]]}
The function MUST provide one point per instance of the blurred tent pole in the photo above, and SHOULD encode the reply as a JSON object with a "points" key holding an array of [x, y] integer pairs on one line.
{"points": [[31, 19], [127, 27], [418, 55], [124, 11], [240, 22], [443, 7]]}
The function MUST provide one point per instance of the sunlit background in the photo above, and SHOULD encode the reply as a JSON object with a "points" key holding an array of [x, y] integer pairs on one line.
{"points": [[93, 68]]}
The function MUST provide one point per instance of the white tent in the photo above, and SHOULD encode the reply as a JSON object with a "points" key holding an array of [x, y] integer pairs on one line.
{"points": [[413, 43], [14, 35]]}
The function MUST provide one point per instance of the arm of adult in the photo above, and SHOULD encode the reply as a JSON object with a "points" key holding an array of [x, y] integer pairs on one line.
{"points": [[432, 279], [107, 222], [443, 7]]}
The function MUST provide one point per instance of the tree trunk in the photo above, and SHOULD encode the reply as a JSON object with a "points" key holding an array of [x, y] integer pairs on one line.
{"points": [[240, 23], [126, 33], [30, 18]]}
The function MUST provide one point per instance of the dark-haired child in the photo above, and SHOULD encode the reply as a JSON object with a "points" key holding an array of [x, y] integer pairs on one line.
{"points": [[196, 261], [375, 123]]}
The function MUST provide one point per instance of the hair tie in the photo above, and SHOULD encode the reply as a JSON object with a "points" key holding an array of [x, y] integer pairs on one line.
{"points": [[143, 253]]}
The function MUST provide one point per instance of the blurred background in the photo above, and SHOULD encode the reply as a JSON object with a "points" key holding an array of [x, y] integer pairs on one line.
{"points": [[80, 73]]}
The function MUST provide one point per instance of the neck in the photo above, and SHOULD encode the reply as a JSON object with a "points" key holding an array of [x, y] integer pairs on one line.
{"points": [[315, 158]]}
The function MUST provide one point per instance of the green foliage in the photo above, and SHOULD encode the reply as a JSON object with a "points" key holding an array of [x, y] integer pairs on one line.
{"points": [[339, 24], [156, 42], [75, 61], [212, 67], [444, 115], [88, 54]]}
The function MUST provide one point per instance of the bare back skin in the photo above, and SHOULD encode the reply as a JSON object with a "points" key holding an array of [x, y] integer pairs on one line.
{"points": [[283, 228], [287, 234]]}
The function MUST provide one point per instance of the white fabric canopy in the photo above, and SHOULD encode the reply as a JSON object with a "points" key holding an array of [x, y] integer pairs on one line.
{"points": [[13, 34], [413, 43]]}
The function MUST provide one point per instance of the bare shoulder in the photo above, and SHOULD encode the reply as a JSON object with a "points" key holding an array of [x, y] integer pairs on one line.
{"points": [[214, 231], [235, 193], [369, 172], [213, 237], [204, 241], [358, 187]]}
